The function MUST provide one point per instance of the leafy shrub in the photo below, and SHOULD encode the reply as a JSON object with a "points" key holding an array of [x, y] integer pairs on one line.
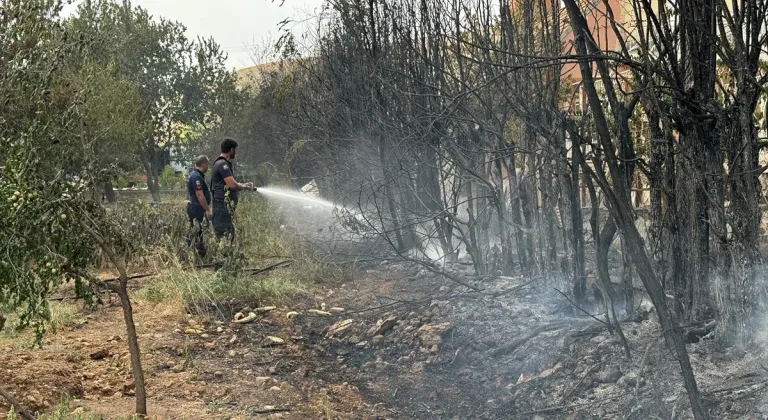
{"points": [[170, 180]]}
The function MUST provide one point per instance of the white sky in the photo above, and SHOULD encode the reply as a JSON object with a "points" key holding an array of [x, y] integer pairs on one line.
{"points": [[237, 25]]}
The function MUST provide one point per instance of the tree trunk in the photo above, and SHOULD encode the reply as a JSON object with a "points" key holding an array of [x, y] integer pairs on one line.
{"points": [[617, 194], [672, 331], [579, 277], [626, 279], [122, 291], [603, 244], [389, 199], [514, 196], [508, 260], [474, 249], [133, 346], [109, 190], [549, 201], [153, 185], [738, 292], [657, 187]]}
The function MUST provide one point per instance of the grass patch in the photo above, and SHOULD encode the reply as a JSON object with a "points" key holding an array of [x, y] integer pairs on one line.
{"points": [[204, 292], [63, 315], [61, 412], [259, 243]]}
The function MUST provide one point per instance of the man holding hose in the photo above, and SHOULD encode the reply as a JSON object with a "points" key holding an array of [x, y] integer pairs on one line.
{"points": [[225, 190]]}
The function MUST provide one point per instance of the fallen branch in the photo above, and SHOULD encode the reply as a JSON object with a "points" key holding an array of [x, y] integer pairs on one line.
{"points": [[253, 271], [134, 277], [26, 414], [609, 326], [513, 289], [509, 348], [281, 264], [272, 411]]}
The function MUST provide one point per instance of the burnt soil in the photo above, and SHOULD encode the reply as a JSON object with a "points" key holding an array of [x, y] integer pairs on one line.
{"points": [[407, 345]]}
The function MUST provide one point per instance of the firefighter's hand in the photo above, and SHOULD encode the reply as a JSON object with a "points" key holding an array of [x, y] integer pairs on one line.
{"points": [[209, 214]]}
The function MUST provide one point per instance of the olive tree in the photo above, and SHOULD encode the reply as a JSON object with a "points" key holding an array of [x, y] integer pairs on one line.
{"points": [[180, 81], [58, 119]]}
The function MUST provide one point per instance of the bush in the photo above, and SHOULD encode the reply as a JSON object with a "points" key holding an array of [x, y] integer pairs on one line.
{"points": [[170, 180], [260, 243], [155, 234]]}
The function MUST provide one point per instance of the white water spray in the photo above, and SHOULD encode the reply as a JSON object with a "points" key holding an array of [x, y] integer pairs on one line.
{"points": [[293, 195]]}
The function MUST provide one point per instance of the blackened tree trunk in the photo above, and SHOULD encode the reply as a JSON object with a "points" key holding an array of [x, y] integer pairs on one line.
{"points": [[617, 195], [579, 276]]}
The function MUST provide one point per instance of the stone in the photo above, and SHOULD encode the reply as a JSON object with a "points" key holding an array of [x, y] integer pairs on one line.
{"points": [[273, 341], [292, 314], [549, 372], [353, 340], [336, 310], [432, 334], [609, 375], [232, 353], [205, 336], [99, 354], [178, 369], [627, 382], [246, 319], [233, 340], [275, 389], [386, 326], [319, 312], [129, 388], [265, 309], [210, 346], [377, 339], [218, 374], [79, 411], [338, 328], [219, 330]]}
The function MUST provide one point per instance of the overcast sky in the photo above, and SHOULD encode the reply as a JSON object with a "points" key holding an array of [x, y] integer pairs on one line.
{"points": [[237, 25]]}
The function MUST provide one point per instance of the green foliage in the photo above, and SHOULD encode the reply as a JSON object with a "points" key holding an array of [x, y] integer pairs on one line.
{"points": [[40, 193], [63, 412], [181, 82], [260, 242], [170, 180], [154, 234], [112, 114]]}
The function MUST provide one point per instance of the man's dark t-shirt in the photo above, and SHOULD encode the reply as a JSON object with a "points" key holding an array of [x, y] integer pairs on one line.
{"points": [[222, 169], [197, 183]]}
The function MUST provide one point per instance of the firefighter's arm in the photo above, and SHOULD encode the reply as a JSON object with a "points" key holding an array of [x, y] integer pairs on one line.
{"points": [[236, 186]]}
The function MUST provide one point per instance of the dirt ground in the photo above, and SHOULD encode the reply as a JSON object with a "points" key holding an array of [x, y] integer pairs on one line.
{"points": [[394, 342]]}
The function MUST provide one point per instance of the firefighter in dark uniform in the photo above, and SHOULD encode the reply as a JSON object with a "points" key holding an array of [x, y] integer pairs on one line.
{"points": [[199, 204], [225, 190]]}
